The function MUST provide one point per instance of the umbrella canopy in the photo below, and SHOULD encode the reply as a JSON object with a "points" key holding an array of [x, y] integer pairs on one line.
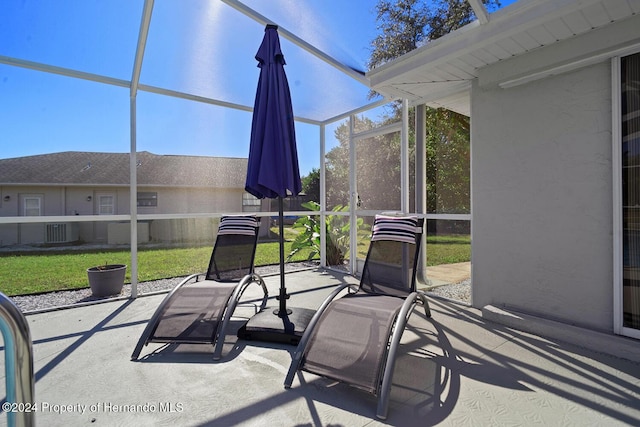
{"points": [[273, 169]]}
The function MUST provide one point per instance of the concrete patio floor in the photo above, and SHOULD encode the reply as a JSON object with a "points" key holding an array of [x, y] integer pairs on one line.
{"points": [[454, 369]]}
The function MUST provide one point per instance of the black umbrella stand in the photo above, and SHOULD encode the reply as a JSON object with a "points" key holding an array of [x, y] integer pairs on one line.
{"points": [[282, 324]]}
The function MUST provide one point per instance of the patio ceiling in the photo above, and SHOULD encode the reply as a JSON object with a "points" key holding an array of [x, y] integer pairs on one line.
{"points": [[440, 73], [202, 50]]}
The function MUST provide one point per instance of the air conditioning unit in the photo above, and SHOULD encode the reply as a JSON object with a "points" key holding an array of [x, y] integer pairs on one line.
{"points": [[65, 232]]}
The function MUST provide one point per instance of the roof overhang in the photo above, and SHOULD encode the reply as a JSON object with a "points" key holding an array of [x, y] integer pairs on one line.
{"points": [[440, 73]]}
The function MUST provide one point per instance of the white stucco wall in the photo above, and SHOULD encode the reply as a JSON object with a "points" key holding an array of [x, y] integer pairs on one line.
{"points": [[542, 197]]}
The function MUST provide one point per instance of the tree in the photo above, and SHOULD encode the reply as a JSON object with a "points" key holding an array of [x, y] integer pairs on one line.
{"points": [[448, 160], [377, 169], [408, 24], [311, 185], [404, 26]]}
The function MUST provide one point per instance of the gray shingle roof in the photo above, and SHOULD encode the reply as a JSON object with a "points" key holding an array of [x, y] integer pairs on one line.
{"points": [[86, 168]]}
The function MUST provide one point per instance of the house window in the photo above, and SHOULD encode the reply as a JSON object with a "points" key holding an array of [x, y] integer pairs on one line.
{"points": [[147, 198], [106, 204], [32, 206], [630, 162], [250, 203]]}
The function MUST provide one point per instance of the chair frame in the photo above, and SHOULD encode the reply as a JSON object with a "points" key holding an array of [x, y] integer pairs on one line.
{"points": [[217, 338], [385, 374]]}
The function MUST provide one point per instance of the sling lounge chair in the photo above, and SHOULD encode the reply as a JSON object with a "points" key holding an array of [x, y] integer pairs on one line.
{"points": [[199, 311], [354, 339]]}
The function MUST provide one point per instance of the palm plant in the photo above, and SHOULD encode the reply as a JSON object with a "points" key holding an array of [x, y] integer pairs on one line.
{"points": [[337, 232]]}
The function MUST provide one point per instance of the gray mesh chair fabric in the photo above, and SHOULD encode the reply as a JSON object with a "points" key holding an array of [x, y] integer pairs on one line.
{"points": [[198, 311], [353, 358], [353, 339]]}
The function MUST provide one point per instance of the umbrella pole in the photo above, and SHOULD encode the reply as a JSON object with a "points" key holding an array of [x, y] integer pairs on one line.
{"points": [[285, 325], [274, 131], [282, 297]]}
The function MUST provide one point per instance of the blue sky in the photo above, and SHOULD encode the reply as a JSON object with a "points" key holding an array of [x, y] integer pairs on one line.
{"points": [[200, 47]]}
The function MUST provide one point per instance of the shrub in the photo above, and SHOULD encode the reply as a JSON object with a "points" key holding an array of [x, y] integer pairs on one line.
{"points": [[337, 231]]}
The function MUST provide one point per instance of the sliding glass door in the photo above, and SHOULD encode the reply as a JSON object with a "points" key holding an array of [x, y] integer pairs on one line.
{"points": [[630, 197]]}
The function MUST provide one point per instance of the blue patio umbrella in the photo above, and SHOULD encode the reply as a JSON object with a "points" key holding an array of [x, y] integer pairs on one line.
{"points": [[273, 172], [273, 158]]}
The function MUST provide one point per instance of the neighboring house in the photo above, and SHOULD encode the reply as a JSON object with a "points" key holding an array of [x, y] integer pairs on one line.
{"points": [[85, 183], [553, 91]]}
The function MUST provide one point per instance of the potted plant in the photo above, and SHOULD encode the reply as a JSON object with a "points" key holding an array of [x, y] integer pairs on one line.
{"points": [[107, 279]]}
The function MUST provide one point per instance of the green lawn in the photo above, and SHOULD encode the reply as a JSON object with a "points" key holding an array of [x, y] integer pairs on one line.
{"points": [[44, 272], [448, 249]]}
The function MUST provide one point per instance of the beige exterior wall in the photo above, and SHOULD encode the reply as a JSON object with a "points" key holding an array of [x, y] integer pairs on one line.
{"points": [[542, 197], [194, 200], [57, 201]]}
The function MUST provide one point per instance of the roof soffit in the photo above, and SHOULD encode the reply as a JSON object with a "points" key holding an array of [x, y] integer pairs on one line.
{"points": [[595, 46], [437, 70]]}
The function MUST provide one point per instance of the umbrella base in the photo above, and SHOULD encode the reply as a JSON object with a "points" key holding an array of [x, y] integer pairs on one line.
{"points": [[271, 327]]}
